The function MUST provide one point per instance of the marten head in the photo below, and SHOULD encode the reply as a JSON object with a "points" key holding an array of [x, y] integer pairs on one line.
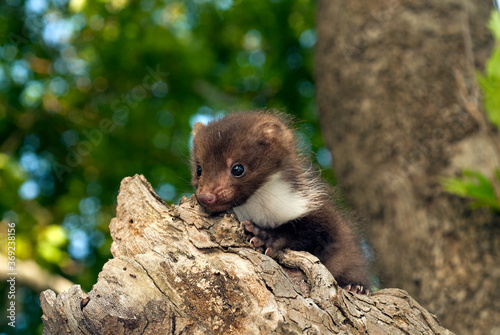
{"points": [[232, 157]]}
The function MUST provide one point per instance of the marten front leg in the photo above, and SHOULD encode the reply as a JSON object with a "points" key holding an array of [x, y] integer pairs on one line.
{"points": [[260, 237], [271, 241]]}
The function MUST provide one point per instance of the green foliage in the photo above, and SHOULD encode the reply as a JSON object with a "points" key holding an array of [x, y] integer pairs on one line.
{"points": [[490, 81], [473, 184], [95, 91]]}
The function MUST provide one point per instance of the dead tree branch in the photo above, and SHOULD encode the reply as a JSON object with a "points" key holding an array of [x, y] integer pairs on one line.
{"points": [[177, 270]]}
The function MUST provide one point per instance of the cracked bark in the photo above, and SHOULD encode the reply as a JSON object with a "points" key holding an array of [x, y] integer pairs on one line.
{"points": [[177, 270], [400, 108]]}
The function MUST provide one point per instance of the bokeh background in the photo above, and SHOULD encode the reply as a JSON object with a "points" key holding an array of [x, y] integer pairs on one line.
{"points": [[95, 91], [92, 91]]}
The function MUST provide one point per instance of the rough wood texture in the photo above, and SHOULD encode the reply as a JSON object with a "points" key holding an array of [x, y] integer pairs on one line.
{"points": [[178, 271], [400, 108]]}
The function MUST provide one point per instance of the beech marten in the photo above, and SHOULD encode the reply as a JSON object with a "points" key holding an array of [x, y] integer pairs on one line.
{"points": [[250, 162]]}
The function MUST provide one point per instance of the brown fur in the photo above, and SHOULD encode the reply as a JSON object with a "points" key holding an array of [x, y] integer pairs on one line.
{"points": [[261, 140], [265, 144]]}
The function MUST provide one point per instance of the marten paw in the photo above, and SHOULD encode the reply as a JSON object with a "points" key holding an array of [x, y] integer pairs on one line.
{"points": [[358, 289], [262, 239], [253, 232], [250, 228]]}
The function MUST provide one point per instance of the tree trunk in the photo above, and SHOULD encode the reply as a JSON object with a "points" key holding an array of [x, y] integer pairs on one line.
{"points": [[399, 108], [177, 270]]}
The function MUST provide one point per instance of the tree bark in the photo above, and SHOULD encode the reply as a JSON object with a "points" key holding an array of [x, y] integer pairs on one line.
{"points": [[177, 270], [400, 108]]}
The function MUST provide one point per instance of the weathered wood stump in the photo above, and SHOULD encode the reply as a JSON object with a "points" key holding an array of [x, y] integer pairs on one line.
{"points": [[177, 270]]}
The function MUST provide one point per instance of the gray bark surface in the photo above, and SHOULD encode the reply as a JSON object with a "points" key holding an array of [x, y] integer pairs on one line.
{"points": [[400, 108], [177, 270]]}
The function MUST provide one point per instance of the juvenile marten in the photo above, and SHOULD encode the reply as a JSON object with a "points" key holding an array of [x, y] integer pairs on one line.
{"points": [[250, 162]]}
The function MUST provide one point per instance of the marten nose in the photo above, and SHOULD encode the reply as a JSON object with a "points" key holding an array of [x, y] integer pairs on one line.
{"points": [[206, 199]]}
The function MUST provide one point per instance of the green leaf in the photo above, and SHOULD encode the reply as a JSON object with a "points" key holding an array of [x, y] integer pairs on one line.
{"points": [[494, 24], [55, 235], [473, 184], [490, 81], [51, 253]]}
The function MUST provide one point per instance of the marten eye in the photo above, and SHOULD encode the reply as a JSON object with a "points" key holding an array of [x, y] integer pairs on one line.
{"points": [[237, 170], [198, 171]]}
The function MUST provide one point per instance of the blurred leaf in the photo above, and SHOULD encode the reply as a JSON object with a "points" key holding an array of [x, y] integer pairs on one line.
{"points": [[51, 253], [51, 244], [494, 24], [55, 235], [490, 81], [473, 184], [24, 248], [103, 90]]}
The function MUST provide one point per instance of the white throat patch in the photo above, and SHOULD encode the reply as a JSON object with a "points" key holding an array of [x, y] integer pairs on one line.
{"points": [[273, 204]]}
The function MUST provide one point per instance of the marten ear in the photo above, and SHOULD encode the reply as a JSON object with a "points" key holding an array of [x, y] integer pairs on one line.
{"points": [[271, 130], [274, 132], [197, 127]]}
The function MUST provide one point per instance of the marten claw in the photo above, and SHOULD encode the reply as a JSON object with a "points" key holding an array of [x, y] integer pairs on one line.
{"points": [[256, 242], [270, 252], [250, 228], [252, 234], [260, 238], [358, 289]]}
